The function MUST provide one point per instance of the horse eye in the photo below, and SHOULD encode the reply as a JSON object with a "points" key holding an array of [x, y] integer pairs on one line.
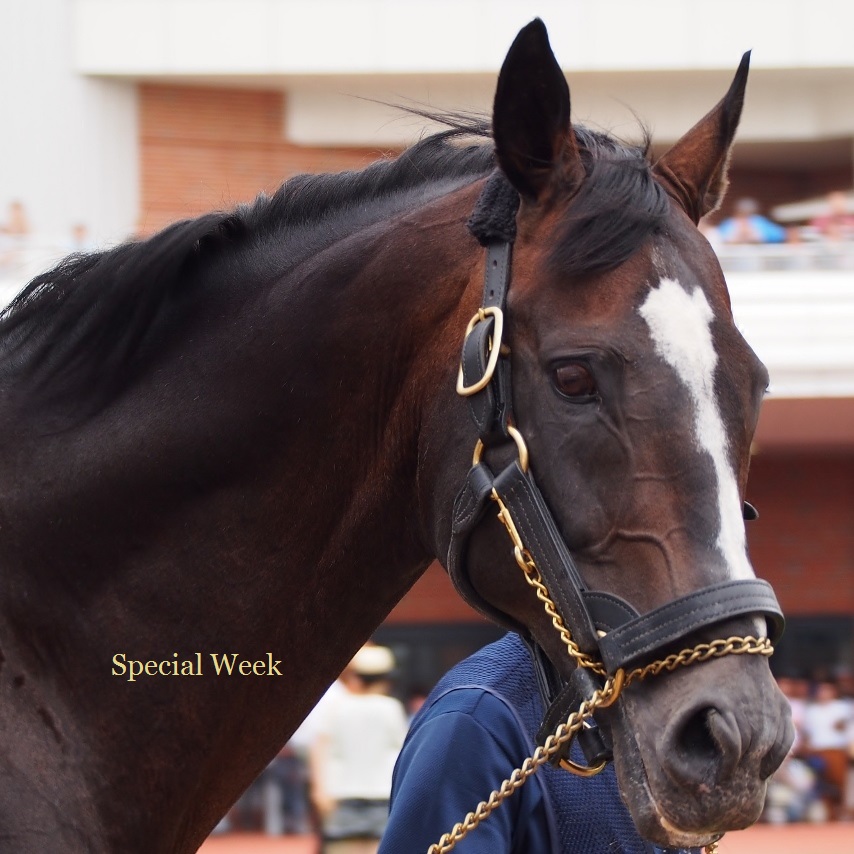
{"points": [[575, 381]]}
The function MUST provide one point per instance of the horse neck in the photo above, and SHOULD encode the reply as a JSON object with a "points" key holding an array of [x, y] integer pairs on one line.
{"points": [[264, 498], [374, 353]]}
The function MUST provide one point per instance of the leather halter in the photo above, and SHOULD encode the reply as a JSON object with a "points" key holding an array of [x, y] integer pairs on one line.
{"points": [[602, 624]]}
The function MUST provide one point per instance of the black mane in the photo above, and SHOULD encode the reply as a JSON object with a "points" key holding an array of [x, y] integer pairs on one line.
{"points": [[83, 325]]}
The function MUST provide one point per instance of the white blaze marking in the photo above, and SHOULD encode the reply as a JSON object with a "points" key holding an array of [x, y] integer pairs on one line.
{"points": [[680, 325]]}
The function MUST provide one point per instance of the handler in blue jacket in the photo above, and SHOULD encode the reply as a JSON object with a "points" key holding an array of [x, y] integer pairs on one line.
{"points": [[476, 726]]}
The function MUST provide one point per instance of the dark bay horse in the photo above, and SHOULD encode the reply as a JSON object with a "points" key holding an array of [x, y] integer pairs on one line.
{"points": [[241, 438]]}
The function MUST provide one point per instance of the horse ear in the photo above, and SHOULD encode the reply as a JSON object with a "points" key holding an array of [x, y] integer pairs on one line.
{"points": [[530, 118], [694, 170]]}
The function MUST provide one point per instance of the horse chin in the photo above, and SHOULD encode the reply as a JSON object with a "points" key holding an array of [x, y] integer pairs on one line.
{"points": [[664, 812]]}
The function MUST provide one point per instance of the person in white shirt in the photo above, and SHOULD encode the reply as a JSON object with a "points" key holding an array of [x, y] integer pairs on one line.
{"points": [[353, 755], [827, 722]]}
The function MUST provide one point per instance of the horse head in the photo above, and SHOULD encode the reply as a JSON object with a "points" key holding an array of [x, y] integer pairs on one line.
{"points": [[634, 402]]}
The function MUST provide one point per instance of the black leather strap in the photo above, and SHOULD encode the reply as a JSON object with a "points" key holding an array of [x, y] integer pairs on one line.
{"points": [[646, 634], [545, 542], [549, 681], [490, 407], [607, 610], [483, 404], [469, 507], [561, 699], [496, 280]]}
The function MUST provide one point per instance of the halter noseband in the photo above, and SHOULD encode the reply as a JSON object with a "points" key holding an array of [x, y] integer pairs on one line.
{"points": [[603, 627]]}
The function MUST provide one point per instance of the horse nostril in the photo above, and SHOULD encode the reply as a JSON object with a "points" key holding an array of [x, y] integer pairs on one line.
{"points": [[707, 739], [694, 739]]}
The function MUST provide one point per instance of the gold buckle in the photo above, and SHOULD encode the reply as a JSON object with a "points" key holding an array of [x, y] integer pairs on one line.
{"points": [[482, 313]]}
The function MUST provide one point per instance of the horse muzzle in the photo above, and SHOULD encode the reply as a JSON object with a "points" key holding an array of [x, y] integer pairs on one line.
{"points": [[694, 751]]}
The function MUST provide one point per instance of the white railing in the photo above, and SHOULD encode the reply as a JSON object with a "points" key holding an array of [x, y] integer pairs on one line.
{"points": [[800, 322], [769, 257], [793, 302]]}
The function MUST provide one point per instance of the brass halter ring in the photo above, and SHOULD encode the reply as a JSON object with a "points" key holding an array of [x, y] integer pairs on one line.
{"points": [[592, 770], [516, 436], [582, 770]]}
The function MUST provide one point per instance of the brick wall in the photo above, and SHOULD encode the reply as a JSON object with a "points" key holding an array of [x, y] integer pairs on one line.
{"points": [[433, 599], [803, 542], [206, 149]]}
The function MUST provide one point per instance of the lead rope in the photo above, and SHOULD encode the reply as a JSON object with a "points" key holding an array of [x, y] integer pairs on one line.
{"points": [[600, 699]]}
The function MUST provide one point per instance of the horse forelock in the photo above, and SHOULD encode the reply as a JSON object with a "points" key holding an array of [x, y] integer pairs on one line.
{"points": [[616, 206]]}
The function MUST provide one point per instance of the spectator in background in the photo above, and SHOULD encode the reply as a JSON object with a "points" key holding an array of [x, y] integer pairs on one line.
{"points": [[283, 787], [17, 224], [306, 735], [793, 794], [845, 683], [827, 722], [80, 242], [353, 755], [794, 789], [837, 224], [711, 233], [14, 234], [415, 701], [747, 225], [797, 692]]}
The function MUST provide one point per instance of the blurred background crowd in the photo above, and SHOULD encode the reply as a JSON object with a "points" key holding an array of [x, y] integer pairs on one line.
{"points": [[816, 781], [298, 791], [815, 236]]}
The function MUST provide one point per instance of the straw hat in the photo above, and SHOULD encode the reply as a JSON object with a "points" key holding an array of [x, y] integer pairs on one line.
{"points": [[373, 661]]}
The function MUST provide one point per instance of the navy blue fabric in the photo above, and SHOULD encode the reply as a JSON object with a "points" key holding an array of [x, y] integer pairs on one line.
{"points": [[476, 726]]}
